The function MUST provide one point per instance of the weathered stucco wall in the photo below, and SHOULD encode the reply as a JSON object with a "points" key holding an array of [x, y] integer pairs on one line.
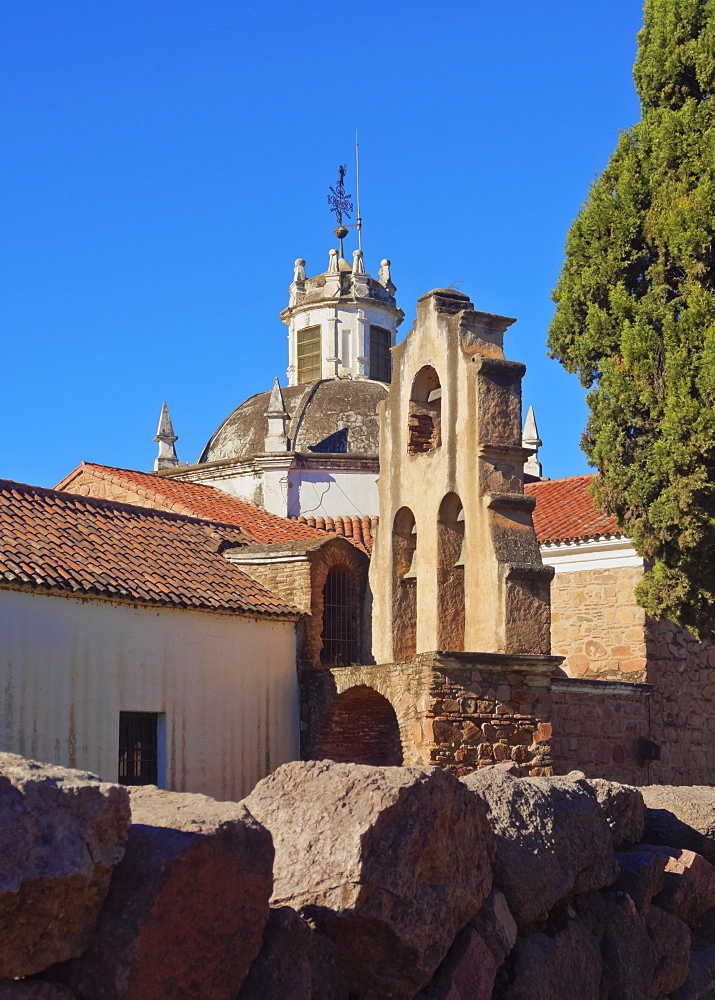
{"points": [[227, 686], [450, 436]]}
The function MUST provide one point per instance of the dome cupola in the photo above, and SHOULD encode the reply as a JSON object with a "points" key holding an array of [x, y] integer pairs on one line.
{"points": [[342, 322]]}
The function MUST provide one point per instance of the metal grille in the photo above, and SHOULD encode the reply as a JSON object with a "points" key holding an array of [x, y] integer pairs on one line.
{"points": [[380, 357], [138, 748], [340, 641], [309, 362]]}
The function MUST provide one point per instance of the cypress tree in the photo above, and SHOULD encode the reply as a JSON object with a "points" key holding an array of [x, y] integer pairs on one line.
{"points": [[635, 317]]}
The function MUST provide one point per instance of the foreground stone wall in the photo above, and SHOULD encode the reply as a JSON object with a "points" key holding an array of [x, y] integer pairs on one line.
{"points": [[348, 882]]}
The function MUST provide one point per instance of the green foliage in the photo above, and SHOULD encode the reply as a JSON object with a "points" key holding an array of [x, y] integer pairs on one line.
{"points": [[635, 317]]}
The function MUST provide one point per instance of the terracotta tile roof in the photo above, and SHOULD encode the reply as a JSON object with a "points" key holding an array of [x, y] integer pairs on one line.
{"points": [[565, 510], [84, 545], [197, 500], [358, 530]]}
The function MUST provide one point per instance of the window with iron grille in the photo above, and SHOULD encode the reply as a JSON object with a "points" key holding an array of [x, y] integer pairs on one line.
{"points": [[138, 748], [309, 354], [340, 618], [380, 357]]}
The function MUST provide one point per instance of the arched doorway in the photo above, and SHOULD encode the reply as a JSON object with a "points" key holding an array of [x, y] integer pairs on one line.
{"points": [[360, 728]]}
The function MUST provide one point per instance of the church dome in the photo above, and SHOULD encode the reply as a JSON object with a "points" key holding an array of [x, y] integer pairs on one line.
{"points": [[335, 416]]}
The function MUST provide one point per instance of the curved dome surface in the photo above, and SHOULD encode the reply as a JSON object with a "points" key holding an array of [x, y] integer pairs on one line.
{"points": [[331, 415]]}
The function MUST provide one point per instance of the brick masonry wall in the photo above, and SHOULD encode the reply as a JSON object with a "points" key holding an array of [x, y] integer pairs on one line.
{"points": [[484, 715], [597, 730], [459, 712], [290, 580], [597, 625]]}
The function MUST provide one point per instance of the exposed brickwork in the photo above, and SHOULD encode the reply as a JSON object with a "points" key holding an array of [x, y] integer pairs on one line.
{"points": [[424, 433], [458, 711], [489, 714], [299, 569], [361, 727], [597, 731]]}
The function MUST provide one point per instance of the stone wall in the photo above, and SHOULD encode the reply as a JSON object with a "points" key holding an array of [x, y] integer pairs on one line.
{"points": [[460, 711], [682, 672], [605, 636], [597, 625], [346, 882], [597, 727]]}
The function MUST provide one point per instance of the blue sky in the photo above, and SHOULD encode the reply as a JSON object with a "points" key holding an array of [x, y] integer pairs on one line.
{"points": [[165, 161]]}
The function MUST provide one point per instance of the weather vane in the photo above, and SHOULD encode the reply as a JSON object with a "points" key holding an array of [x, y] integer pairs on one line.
{"points": [[341, 205]]}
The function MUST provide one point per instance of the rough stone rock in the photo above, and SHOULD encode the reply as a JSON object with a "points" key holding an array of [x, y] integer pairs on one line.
{"points": [[186, 907], [700, 982], [688, 887], [294, 963], [467, 973], [640, 875], [624, 810], [61, 834], [670, 938], [33, 989], [390, 863], [496, 926], [681, 817], [552, 840], [626, 951], [562, 966]]}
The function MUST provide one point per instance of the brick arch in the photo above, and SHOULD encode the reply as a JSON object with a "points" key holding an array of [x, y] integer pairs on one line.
{"points": [[360, 727], [339, 553]]}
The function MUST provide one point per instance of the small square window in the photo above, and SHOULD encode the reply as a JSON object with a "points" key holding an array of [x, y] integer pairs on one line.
{"points": [[138, 748]]}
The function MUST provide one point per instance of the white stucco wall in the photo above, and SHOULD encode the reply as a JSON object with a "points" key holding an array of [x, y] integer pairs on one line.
{"points": [[316, 493], [227, 686]]}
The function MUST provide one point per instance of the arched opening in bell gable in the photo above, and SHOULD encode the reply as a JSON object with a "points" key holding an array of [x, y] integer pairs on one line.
{"points": [[450, 573], [341, 618], [404, 585], [423, 422], [360, 728]]}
